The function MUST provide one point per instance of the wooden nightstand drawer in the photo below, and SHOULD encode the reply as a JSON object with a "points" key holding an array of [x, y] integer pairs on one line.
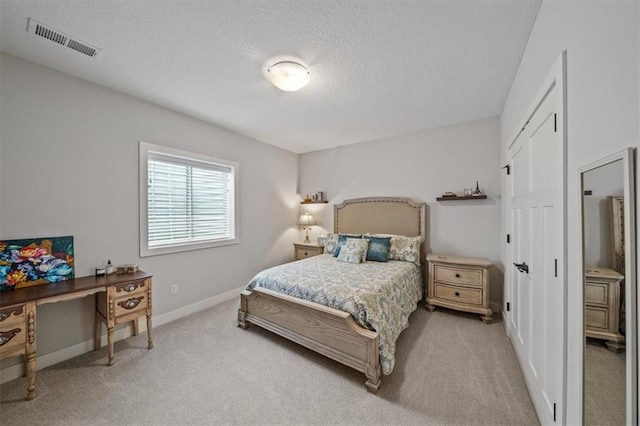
{"points": [[124, 301], [302, 251], [597, 318], [597, 294], [458, 276], [130, 289], [466, 295], [131, 304], [12, 315], [12, 337]]}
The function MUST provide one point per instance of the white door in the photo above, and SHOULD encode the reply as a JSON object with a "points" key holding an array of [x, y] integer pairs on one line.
{"points": [[536, 209]]}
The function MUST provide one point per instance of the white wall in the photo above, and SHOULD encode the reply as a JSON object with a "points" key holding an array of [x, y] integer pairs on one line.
{"points": [[421, 166], [601, 40], [603, 182], [70, 167], [1, 168]]}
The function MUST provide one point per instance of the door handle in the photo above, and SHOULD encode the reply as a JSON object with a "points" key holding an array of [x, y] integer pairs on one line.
{"points": [[522, 267]]}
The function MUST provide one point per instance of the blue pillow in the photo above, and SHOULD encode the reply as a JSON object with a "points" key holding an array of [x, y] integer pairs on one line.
{"points": [[378, 250], [342, 238]]}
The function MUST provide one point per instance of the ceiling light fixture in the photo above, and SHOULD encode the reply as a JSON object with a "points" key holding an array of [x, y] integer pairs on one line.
{"points": [[288, 76]]}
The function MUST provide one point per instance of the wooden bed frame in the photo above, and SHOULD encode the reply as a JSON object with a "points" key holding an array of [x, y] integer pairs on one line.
{"points": [[329, 331]]}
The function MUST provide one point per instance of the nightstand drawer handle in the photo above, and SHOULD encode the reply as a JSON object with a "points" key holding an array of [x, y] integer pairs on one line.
{"points": [[457, 275], [5, 336], [457, 293], [306, 254], [129, 287], [6, 314], [131, 303]]}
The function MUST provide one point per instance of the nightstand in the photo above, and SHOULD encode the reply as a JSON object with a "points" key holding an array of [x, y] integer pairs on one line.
{"points": [[602, 295], [460, 283], [304, 250]]}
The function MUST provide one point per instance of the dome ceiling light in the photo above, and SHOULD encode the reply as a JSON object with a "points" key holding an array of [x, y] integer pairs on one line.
{"points": [[288, 76]]}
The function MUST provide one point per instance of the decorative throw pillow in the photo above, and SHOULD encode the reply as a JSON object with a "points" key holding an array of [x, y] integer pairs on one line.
{"points": [[353, 250], [405, 248], [378, 250], [331, 243], [341, 240]]}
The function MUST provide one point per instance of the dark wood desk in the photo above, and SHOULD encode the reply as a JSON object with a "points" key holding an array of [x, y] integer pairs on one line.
{"points": [[119, 298]]}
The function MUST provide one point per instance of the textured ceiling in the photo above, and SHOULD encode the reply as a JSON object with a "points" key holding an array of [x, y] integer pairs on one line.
{"points": [[378, 69]]}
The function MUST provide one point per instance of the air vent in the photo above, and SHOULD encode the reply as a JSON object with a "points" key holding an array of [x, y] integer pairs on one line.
{"points": [[82, 48], [45, 31]]}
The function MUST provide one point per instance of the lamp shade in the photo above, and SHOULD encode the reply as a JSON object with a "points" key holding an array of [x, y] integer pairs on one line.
{"points": [[306, 219], [288, 76]]}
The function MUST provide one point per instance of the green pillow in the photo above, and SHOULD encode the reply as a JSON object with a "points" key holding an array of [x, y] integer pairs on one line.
{"points": [[378, 250]]}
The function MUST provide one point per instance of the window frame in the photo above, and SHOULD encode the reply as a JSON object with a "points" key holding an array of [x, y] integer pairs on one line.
{"points": [[182, 156]]}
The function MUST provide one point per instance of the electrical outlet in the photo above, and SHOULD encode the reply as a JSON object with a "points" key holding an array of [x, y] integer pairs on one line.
{"points": [[173, 290]]}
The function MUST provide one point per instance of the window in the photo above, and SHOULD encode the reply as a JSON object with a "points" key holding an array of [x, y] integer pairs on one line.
{"points": [[187, 201]]}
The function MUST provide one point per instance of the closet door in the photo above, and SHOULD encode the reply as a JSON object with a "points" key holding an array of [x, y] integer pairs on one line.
{"points": [[536, 278]]}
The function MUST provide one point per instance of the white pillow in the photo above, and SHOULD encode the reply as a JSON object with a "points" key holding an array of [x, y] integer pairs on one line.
{"points": [[404, 248]]}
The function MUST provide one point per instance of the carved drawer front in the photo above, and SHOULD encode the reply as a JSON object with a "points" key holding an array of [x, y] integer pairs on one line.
{"points": [[133, 303], [597, 318], [12, 315], [12, 337], [458, 276], [470, 296], [597, 294], [130, 289]]}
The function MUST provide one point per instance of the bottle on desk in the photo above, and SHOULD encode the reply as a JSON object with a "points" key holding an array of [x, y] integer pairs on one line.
{"points": [[109, 268]]}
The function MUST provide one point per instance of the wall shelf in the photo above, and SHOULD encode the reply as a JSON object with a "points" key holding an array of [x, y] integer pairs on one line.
{"points": [[313, 202], [465, 197]]}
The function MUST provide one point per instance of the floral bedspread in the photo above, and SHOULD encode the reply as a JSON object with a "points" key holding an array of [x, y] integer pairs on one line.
{"points": [[379, 295]]}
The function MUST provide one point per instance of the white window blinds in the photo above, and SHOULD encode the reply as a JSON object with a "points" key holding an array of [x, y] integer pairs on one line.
{"points": [[188, 202]]}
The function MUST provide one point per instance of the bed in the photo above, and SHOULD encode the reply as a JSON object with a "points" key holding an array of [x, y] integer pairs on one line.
{"points": [[333, 332]]}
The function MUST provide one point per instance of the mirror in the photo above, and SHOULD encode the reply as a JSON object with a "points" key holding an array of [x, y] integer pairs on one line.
{"points": [[609, 290]]}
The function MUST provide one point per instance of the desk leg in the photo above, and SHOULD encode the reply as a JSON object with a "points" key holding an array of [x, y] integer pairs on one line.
{"points": [[30, 352], [111, 323], [110, 343], [31, 375], [149, 338], [149, 310], [97, 332]]}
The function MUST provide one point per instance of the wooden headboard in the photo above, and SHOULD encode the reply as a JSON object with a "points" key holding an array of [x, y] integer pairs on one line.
{"points": [[381, 215]]}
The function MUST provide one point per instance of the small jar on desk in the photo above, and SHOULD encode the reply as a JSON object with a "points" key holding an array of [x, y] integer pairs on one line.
{"points": [[304, 250]]}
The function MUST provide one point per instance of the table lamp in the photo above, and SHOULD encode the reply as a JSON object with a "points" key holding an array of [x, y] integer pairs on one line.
{"points": [[306, 221]]}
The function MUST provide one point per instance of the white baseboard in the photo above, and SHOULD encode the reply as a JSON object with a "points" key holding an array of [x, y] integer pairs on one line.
{"points": [[44, 361], [196, 307]]}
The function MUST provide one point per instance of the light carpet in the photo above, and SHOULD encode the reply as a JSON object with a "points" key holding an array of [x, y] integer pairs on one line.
{"points": [[450, 369], [604, 385]]}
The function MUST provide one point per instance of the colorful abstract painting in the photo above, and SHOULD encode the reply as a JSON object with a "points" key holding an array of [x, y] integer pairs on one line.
{"points": [[24, 263]]}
